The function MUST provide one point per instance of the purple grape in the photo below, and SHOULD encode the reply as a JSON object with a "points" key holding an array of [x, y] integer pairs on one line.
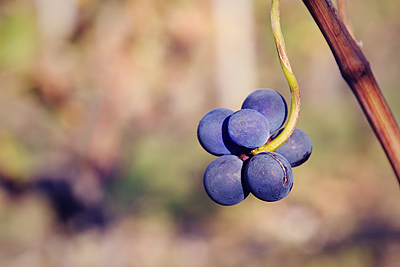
{"points": [[209, 131], [248, 128], [271, 104], [297, 149], [269, 176], [223, 180]]}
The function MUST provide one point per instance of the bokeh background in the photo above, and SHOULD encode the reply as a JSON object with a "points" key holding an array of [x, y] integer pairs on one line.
{"points": [[99, 159]]}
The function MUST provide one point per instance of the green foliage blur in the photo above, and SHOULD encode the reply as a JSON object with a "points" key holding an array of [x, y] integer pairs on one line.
{"points": [[99, 159]]}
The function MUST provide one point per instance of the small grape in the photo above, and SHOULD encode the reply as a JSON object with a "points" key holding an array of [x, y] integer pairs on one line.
{"points": [[297, 149], [269, 176], [223, 180], [270, 103], [248, 128], [209, 131]]}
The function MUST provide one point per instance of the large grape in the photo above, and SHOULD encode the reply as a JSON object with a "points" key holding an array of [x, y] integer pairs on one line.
{"points": [[270, 103], [269, 176], [223, 180], [297, 149], [248, 128], [209, 131]]}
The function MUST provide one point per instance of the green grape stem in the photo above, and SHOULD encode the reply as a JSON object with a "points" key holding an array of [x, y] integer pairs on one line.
{"points": [[294, 88]]}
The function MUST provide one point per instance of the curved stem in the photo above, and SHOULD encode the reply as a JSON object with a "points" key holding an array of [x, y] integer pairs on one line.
{"points": [[294, 88]]}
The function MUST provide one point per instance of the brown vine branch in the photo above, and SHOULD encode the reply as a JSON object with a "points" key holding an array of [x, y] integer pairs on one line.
{"points": [[344, 15], [357, 72]]}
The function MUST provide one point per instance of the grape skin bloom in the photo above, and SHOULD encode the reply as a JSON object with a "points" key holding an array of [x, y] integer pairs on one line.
{"points": [[271, 104], [223, 180], [209, 131], [297, 149], [248, 128], [269, 176]]}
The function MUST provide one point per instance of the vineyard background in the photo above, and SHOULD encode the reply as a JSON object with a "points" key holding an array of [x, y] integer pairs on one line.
{"points": [[99, 160]]}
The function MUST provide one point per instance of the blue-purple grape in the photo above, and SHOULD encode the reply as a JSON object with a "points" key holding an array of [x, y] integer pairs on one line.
{"points": [[269, 176], [271, 104], [223, 180], [297, 149], [209, 131], [248, 128]]}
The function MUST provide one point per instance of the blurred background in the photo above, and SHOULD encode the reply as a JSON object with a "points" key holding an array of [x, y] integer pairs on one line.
{"points": [[99, 159]]}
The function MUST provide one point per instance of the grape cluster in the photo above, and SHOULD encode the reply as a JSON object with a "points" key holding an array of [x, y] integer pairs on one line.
{"points": [[232, 136]]}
